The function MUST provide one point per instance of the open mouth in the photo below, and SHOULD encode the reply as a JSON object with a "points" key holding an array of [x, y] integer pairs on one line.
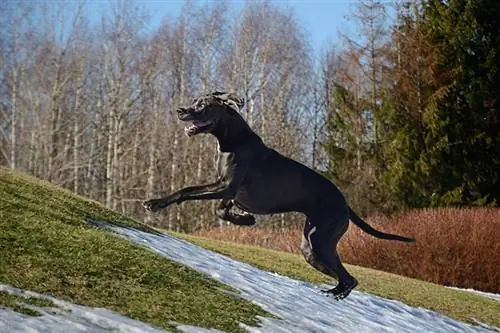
{"points": [[197, 127]]}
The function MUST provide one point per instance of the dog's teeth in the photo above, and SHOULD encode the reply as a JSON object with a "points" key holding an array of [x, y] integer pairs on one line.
{"points": [[189, 130]]}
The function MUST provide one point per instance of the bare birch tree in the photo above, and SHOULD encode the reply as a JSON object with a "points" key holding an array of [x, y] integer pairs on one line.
{"points": [[94, 106]]}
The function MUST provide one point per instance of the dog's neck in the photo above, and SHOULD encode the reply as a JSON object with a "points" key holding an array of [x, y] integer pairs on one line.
{"points": [[232, 139]]}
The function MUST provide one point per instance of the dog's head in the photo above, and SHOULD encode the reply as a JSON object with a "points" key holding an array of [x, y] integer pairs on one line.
{"points": [[210, 111]]}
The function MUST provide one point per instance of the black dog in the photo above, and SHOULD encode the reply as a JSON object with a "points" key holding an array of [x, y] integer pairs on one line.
{"points": [[259, 180]]}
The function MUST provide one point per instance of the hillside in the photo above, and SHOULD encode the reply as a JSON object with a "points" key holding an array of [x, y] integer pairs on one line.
{"points": [[49, 246]]}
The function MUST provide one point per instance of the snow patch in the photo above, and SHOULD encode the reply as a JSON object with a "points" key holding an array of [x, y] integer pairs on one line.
{"points": [[72, 318], [300, 305], [67, 317], [478, 292]]}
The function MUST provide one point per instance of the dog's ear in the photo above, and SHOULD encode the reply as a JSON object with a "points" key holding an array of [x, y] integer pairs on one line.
{"points": [[231, 100], [238, 102]]}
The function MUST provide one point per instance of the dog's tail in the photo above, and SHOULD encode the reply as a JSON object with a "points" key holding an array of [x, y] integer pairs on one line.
{"points": [[370, 230]]}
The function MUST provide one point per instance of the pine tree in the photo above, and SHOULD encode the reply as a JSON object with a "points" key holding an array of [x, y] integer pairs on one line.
{"points": [[405, 166], [441, 127], [463, 116]]}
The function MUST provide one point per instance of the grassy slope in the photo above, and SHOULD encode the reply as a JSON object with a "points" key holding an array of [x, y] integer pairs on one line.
{"points": [[457, 304], [22, 304], [46, 246], [49, 248]]}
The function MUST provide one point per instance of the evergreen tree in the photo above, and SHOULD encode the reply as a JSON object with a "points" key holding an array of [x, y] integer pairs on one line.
{"points": [[353, 102], [405, 166], [441, 139], [349, 147], [463, 115]]}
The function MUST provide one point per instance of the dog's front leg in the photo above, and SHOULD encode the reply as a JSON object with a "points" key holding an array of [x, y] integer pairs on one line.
{"points": [[217, 190], [224, 212]]}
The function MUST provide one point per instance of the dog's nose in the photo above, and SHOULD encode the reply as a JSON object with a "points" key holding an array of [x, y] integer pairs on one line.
{"points": [[181, 110]]}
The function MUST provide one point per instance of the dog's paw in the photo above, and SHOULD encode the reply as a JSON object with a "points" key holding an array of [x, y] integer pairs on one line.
{"points": [[249, 220], [153, 205], [341, 291], [244, 219]]}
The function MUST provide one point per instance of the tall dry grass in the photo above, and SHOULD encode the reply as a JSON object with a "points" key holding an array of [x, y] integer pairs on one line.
{"points": [[455, 246]]}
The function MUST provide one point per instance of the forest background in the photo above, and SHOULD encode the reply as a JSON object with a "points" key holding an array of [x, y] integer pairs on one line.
{"points": [[403, 115]]}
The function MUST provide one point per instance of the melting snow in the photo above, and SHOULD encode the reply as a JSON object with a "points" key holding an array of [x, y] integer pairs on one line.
{"points": [[496, 297], [66, 318], [299, 305]]}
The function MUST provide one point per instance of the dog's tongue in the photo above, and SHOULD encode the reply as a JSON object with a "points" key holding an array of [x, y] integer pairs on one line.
{"points": [[190, 130], [199, 124]]}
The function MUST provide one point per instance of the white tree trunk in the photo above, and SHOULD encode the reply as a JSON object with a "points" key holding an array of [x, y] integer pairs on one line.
{"points": [[173, 171], [109, 160], [153, 147], [76, 143], [13, 120]]}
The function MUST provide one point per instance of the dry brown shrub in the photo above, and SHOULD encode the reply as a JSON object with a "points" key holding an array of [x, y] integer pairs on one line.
{"points": [[287, 240], [455, 246]]}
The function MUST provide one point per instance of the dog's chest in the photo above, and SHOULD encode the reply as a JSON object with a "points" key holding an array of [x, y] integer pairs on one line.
{"points": [[221, 163]]}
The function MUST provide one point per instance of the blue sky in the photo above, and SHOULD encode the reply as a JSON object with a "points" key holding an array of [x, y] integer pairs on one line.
{"points": [[321, 19]]}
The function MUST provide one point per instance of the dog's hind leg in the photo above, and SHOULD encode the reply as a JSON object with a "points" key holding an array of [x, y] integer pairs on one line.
{"points": [[346, 281], [319, 242], [309, 254]]}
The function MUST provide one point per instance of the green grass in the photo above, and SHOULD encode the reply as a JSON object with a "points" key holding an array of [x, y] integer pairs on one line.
{"points": [[457, 304], [47, 246], [24, 305]]}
